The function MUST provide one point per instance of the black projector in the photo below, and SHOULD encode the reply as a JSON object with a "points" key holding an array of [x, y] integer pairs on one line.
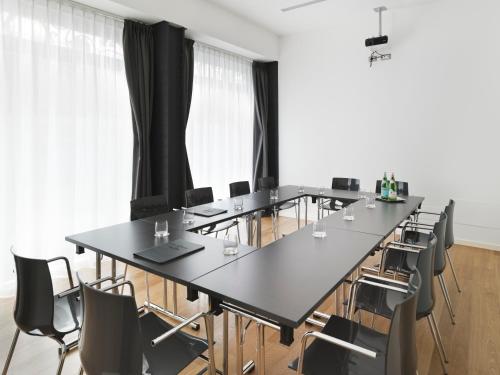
{"points": [[378, 40]]}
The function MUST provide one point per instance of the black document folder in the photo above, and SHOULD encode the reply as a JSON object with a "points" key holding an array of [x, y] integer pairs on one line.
{"points": [[169, 251]]}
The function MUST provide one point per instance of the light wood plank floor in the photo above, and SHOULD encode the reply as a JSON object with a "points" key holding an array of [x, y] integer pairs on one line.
{"points": [[473, 345]]}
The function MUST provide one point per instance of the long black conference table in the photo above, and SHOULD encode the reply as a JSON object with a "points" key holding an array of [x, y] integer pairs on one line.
{"points": [[278, 285]]}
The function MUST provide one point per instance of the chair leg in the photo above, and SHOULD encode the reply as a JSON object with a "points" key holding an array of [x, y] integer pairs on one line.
{"points": [[124, 277], [453, 271], [438, 347], [438, 335], [81, 371], [62, 357], [11, 351], [447, 298]]}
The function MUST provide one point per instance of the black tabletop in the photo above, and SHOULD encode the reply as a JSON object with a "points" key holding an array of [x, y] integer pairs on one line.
{"points": [[381, 220], [121, 241], [286, 280]]}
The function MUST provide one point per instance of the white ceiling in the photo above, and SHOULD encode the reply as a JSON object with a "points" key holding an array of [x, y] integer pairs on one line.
{"points": [[267, 13]]}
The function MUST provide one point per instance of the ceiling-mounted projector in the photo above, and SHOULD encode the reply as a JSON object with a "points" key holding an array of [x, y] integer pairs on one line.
{"points": [[377, 43]]}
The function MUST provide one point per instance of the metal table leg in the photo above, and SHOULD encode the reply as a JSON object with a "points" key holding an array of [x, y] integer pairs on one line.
{"points": [[249, 222], [258, 217], [306, 199], [98, 268], [113, 274], [261, 350], [298, 213], [225, 342]]}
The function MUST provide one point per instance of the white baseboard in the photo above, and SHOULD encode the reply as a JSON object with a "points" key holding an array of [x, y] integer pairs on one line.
{"points": [[481, 245]]}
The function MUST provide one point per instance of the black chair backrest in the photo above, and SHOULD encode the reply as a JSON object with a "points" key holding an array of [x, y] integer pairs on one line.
{"points": [[34, 307], [110, 340], [402, 187], [401, 357], [344, 183], [265, 183], [425, 265], [450, 238], [195, 197], [440, 233], [148, 206], [239, 188]]}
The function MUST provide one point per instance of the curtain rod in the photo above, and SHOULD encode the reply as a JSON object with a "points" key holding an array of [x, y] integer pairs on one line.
{"points": [[224, 50], [101, 12]]}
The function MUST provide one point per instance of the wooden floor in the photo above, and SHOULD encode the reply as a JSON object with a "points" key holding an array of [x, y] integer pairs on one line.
{"points": [[473, 345]]}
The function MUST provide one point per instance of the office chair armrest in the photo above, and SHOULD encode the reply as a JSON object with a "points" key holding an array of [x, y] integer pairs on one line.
{"points": [[385, 279], [405, 249], [403, 244], [177, 328], [418, 212], [77, 288], [116, 285], [331, 340], [380, 285], [68, 268]]}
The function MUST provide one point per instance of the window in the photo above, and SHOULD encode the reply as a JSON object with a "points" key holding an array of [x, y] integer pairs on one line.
{"points": [[220, 127], [65, 127]]}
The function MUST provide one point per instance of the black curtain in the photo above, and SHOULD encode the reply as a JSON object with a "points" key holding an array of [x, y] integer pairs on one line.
{"points": [[188, 69], [265, 132], [170, 111], [138, 55]]}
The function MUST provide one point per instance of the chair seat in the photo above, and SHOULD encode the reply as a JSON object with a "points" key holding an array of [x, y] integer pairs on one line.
{"points": [[325, 358], [67, 313], [171, 355]]}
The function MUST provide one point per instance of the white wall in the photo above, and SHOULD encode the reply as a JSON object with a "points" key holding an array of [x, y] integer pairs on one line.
{"points": [[432, 114], [205, 21]]}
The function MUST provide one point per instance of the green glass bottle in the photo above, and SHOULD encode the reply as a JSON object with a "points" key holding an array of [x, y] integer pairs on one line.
{"points": [[384, 188], [393, 189]]}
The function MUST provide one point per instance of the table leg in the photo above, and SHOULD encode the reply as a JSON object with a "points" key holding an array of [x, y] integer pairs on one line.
{"points": [[298, 214], [306, 199], [225, 342], [165, 294], [113, 274], [249, 220], [259, 228], [318, 202], [98, 268], [261, 350], [238, 324], [209, 322]]}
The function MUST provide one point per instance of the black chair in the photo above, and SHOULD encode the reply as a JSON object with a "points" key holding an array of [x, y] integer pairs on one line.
{"points": [[340, 183], [449, 240], [38, 312], [239, 188], [345, 347], [116, 340], [204, 195], [418, 233], [268, 183], [380, 302], [401, 185], [148, 206]]}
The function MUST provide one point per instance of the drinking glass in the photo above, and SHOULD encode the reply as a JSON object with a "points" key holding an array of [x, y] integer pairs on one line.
{"points": [[161, 228], [348, 213], [230, 244], [188, 216], [273, 194], [238, 204], [301, 189], [319, 229], [362, 194], [370, 200], [322, 190]]}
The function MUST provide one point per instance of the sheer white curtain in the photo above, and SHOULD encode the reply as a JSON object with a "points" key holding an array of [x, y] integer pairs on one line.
{"points": [[220, 127], [65, 128]]}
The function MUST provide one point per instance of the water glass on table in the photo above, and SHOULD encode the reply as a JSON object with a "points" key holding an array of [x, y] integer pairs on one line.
{"points": [[319, 229], [230, 244], [238, 204], [348, 213], [273, 194], [370, 200], [161, 228], [188, 216]]}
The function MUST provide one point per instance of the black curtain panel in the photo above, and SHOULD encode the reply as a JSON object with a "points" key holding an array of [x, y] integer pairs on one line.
{"points": [[170, 109], [265, 132], [188, 69], [138, 56]]}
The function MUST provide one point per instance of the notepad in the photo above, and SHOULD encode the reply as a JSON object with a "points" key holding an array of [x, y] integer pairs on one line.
{"points": [[208, 212], [169, 251]]}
